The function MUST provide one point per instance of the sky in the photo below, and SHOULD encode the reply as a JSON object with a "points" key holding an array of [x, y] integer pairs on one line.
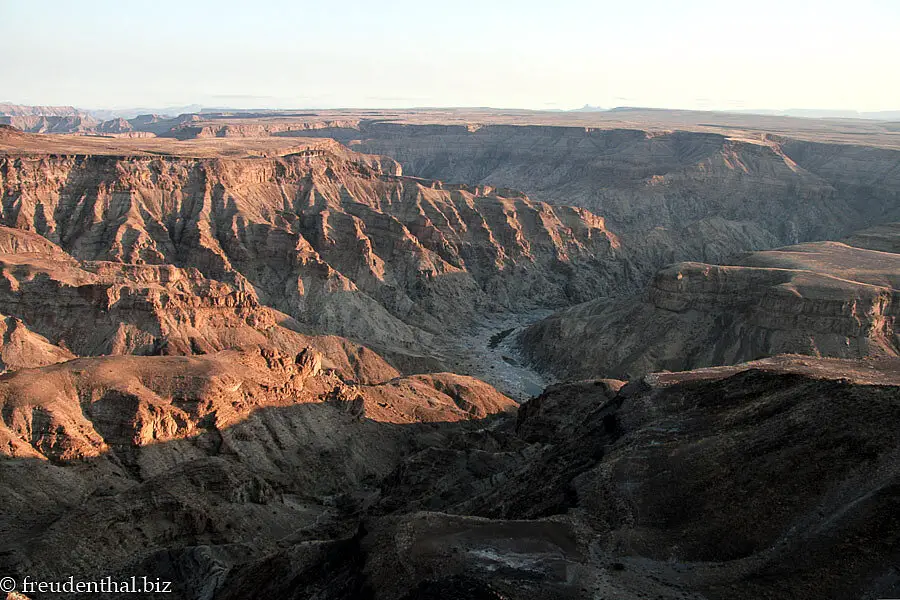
{"points": [[551, 54]]}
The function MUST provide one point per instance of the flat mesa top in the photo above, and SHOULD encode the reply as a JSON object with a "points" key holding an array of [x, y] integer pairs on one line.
{"points": [[271, 138], [17, 143], [867, 371]]}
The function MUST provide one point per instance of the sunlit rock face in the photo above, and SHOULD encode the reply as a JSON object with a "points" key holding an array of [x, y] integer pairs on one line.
{"points": [[334, 239]]}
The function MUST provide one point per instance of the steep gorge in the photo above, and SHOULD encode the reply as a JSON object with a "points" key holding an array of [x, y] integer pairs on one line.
{"points": [[337, 240], [671, 195]]}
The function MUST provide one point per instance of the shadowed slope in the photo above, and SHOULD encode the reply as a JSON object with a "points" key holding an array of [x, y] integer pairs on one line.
{"points": [[729, 483], [118, 458]]}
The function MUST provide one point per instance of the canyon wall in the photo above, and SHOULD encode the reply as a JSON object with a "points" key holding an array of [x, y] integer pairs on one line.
{"points": [[339, 241], [819, 299], [659, 190]]}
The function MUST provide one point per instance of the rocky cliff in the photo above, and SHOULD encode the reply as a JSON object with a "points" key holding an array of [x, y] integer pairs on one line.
{"points": [[46, 119], [821, 299], [61, 307], [659, 178], [23, 349], [251, 129], [24, 110], [658, 189], [337, 240], [51, 124]]}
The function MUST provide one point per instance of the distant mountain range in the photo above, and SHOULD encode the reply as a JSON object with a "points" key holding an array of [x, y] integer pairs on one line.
{"points": [[807, 113], [104, 114], [20, 110], [589, 108], [814, 113]]}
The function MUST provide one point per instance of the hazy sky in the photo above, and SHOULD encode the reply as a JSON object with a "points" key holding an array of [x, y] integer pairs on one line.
{"points": [[737, 54]]}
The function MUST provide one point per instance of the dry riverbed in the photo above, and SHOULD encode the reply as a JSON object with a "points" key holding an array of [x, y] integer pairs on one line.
{"points": [[486, 351]]}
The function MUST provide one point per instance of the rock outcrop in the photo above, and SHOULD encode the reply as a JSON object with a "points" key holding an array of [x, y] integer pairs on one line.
{"points": [[21, 348], [61, 308], [96, 307], [820, 299], [90, 406], [252, 445]]}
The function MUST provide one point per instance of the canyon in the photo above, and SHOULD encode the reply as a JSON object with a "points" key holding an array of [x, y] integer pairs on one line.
{"points": [[340, 242], [670, 195], [451, 353]]}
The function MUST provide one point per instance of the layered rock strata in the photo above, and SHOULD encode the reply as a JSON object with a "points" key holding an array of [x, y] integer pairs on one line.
{"points": [[820, 299], [335, 239]]}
